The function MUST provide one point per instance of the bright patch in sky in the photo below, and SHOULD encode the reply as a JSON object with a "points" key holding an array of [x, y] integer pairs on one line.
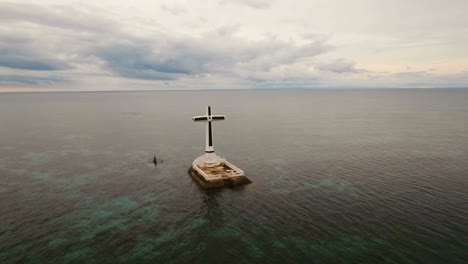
{"points": [[231, 44]]}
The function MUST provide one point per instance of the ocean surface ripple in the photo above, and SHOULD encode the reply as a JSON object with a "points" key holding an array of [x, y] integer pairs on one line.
{"points": [[339, 176]]}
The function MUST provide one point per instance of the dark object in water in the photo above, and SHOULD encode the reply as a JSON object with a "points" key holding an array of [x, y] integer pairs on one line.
{"points": [[155, 161]]}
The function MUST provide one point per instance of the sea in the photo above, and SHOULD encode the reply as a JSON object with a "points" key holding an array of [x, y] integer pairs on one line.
{"points": [[338, 176]]}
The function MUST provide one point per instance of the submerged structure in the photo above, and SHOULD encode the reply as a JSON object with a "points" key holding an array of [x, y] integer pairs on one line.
{"points": [[210, 170]]}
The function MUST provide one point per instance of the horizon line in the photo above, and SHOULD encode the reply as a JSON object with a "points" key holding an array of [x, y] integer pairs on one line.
{"points": [[235, 89]]}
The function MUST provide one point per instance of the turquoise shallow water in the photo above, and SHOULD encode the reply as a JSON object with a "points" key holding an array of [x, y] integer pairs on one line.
{"points": [[339, 176]]}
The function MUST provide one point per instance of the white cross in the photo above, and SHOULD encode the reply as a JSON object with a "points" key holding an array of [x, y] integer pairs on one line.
{"points": [[209, 131]]}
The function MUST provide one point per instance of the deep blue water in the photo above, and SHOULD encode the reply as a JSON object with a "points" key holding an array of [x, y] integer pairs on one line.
{"points": [[339, 176]]}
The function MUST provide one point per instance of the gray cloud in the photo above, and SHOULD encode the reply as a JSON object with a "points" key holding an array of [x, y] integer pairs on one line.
{"points": [[417, 79], [169, 57], [27, 64], [21, 80], [257, 4], [136, 60], [18, 50], [25, 57], [174, 9], [411, 74], [39, 45], [49, 40], [46, 39], [339, 66], [426, 79], [56, 16]]}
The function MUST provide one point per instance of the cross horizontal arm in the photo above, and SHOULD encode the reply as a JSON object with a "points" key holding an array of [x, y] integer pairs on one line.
{"points": [[200, 118], [218, 117]]}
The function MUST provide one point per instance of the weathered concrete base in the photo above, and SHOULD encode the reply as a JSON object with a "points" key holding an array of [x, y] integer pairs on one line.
{"points": [[216, 184]]}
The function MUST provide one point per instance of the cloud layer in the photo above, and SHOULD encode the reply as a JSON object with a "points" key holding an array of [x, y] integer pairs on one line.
{"points": [[72, 47]]}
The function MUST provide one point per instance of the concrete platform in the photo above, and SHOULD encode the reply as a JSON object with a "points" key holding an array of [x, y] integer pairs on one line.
{"points": [[219, 182]]}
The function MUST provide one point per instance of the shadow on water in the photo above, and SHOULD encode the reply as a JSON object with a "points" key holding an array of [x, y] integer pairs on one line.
{"points": [[212, 209]]}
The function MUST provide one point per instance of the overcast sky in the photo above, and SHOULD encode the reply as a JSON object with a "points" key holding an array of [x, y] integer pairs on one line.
{"points": [[231, 44]]}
